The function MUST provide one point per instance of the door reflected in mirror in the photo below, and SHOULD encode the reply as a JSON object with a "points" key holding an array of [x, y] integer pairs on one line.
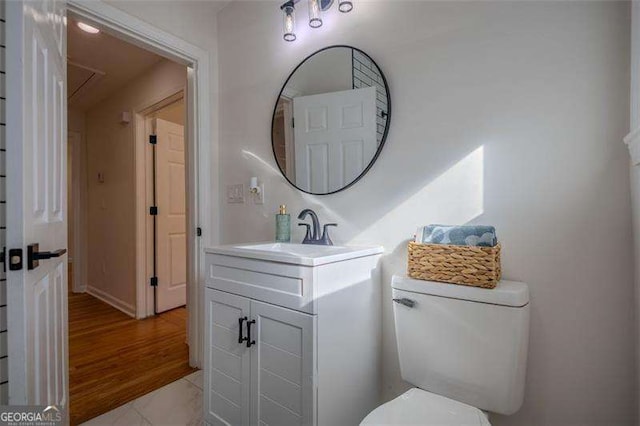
{"points": [[330, 120]]}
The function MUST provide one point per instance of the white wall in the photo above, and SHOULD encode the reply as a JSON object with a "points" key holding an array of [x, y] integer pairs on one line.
{"points": [[504, 113], [194, 22], [111, 235], [174, 112], [76, 120], [330, 71]]}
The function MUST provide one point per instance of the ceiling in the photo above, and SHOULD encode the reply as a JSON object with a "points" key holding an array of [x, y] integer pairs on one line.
{"points": [[220, 4], [99, 64]]}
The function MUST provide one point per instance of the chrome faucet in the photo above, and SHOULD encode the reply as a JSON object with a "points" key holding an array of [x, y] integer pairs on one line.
{"points": [[313, 237]]}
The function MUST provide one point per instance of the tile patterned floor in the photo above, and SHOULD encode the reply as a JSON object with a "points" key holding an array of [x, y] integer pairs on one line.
{"points": [[176, 404]]}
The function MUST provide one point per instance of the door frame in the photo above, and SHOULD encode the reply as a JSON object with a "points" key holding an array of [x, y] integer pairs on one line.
{"points": [[144, 191], [79, 193], [202, 190]]}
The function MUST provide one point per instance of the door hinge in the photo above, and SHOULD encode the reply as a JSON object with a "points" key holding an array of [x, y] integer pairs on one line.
{"points": [[153, 139], [153, 281], [153, 210], [199, 232], [293, 123]]}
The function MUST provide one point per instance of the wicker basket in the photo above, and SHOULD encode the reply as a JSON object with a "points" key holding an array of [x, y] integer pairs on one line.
{"points": [[466, 265]]}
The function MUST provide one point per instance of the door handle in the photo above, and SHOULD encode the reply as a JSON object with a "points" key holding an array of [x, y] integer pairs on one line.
{"points": [[34, 255], [406, 302], [249, 341], [240, 321]]}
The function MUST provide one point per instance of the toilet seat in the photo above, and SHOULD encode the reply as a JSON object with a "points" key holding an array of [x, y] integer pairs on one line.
{"points": [[419, 407]]}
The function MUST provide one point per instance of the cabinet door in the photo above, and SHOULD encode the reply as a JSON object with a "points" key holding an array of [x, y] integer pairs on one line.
{"points": [[283, 366], [227, 361]]}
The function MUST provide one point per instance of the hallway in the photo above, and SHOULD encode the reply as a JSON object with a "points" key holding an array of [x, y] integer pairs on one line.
{"points": [[114, 359]]}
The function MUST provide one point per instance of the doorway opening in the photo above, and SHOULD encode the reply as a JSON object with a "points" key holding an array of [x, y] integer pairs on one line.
{"points": [[129, 209], [36, 81]]}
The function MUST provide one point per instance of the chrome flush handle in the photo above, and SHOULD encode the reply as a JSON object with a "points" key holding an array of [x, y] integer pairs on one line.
{"points": [[406, 302]]}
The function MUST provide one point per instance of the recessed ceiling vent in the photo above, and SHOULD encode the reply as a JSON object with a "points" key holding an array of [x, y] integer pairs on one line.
{"points": [[80, 78]]}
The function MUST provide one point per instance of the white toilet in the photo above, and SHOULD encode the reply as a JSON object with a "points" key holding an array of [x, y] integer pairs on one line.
{"points": [[464, 348]]}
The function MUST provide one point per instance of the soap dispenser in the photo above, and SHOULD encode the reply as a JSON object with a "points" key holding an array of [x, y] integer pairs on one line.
{"points": [[283, 225]]}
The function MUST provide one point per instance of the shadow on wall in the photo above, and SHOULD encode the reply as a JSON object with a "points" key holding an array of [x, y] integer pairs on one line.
{"points": [[455, 195], [459, 192]]}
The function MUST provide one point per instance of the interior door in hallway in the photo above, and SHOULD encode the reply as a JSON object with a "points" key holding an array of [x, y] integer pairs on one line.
{"points": [[36, 201], [171, 225]]}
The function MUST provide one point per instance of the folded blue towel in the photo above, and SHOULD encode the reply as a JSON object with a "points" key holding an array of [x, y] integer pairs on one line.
{"points": [[467, 235]]}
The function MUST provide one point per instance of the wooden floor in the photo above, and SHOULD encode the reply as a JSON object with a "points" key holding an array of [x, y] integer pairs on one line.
{"points": [[113, 359]]}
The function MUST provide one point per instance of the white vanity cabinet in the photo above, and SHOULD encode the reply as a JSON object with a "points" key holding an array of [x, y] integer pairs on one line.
{"points": [[313, 320], [269, 381]]}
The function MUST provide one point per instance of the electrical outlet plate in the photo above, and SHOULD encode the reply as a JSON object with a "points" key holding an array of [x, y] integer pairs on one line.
{"points": [[235, 193]]}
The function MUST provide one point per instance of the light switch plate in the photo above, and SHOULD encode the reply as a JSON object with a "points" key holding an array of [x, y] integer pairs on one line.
{"points": [[235, 193]]}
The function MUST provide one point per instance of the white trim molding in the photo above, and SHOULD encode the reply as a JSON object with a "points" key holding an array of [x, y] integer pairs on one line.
{"points": [[120, 305], [78, 199], [633, 143]]}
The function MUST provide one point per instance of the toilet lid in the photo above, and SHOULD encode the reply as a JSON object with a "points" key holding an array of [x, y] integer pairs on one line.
{"points": [[419, 407]]}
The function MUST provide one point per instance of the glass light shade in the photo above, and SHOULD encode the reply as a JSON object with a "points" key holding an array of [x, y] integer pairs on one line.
{"points": [[315, 21], [289, 23], [345, 6]]}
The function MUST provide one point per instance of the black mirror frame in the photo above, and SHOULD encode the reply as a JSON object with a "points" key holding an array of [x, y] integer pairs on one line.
{"points": [[384, 135]]}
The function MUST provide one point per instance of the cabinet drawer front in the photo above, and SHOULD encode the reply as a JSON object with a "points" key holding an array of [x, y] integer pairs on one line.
{"points": [[285, 285]]}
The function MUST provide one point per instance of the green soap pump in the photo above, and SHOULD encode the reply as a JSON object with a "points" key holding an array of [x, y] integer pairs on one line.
{"points": [[283, 225]]}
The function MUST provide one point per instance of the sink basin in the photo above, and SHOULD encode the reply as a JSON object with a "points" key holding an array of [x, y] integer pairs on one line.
{"points": [[296, 249], [299, 254]]}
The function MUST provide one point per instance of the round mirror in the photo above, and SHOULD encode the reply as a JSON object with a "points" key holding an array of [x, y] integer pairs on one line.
{"points": [[330, 120]]}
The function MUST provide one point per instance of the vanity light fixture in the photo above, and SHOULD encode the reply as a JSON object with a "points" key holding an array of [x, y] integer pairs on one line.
{"points": [[316, 7], [315, 21], [88, 28], [345, 6], [289, 27]]}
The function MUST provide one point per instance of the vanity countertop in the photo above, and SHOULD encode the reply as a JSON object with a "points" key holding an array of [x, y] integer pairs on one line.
{"points": [[297, 254]]}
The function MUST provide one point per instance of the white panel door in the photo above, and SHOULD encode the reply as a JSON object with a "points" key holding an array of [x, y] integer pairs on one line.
{"points": [[334, 138], [227, 366], [36, 200], [283, 366], [171, 232]]}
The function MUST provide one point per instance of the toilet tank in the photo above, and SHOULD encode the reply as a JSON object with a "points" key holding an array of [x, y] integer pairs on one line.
{"points": [[468, 344]]}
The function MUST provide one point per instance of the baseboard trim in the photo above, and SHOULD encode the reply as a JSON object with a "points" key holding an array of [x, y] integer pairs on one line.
{"points": [[124, 307]]}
